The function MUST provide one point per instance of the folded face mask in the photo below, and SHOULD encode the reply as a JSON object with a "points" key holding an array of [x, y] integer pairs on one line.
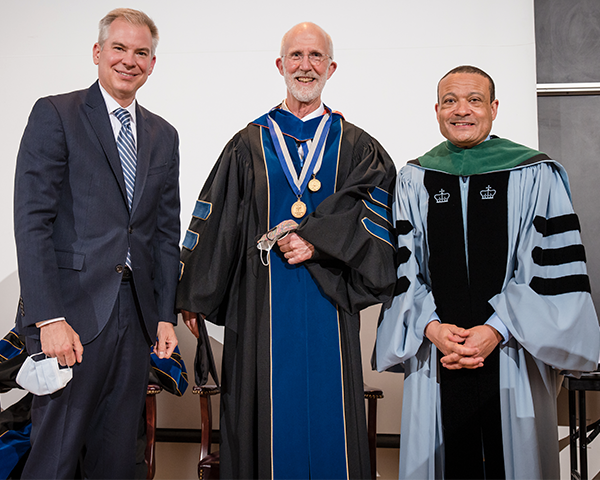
{"points": [[269, 239], [43, 377]]}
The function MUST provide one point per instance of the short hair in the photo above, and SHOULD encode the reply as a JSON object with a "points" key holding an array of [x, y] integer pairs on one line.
{"points": [[135, 17], [476, 71], [329, 40]]}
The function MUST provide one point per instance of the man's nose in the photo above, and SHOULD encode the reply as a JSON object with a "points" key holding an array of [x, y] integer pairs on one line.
{"points": [[305, 63], [462, 108], [128, 59]]}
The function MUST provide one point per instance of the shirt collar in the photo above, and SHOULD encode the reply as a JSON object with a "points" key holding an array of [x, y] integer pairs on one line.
{"points": [[112, 104], [318, 112]]}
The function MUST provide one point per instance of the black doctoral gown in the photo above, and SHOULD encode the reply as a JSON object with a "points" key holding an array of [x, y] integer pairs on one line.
{"points": [[223, 277]]}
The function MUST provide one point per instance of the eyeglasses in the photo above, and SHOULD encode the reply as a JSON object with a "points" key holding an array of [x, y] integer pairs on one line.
{"points": [[314, 58]]}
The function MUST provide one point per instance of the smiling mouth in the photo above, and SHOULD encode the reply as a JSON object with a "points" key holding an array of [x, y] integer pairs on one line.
{"points": [[305, 79], [462, 124], [125, 74]]}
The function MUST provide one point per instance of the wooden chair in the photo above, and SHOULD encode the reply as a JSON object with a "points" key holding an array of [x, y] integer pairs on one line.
{"points": [[208, 465], [371, 396], [153, 390]]}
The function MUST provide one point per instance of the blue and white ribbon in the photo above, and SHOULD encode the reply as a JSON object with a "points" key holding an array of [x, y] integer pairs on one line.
{"points": [[315, 154]]}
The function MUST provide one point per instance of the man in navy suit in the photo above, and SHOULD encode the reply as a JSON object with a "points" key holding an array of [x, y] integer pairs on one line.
{"points": [[98, 254]]}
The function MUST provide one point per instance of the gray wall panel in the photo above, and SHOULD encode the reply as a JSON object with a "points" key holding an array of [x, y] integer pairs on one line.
{"points": [[567, 41]]}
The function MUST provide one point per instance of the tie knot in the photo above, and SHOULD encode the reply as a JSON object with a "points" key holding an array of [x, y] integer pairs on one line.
{"points": [[123, 116]]}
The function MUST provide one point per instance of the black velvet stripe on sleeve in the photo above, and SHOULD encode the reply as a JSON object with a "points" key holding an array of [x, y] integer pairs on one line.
{"points": [[556, 225], [403, 227], [402, 255], [558, 256], [561, 285], [402, 285]]}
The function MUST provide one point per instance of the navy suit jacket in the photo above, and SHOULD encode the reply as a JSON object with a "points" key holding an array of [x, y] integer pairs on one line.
{"points": [[72, 224]]}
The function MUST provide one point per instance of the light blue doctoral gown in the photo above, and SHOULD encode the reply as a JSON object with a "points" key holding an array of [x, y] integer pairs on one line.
{"points": [[551, 334]]}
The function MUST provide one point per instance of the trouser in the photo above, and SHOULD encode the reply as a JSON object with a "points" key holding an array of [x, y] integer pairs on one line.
{"points": [[96, 416]]}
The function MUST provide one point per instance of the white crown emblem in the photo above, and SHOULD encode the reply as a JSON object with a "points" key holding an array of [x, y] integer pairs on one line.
{"points": [[442, 197], [488, 193]]}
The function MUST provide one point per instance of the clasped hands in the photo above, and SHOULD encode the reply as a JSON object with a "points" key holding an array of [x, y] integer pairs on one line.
{"points": [[462, 348]]}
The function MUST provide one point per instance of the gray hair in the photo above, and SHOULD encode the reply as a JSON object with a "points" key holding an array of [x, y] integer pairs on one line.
{"points": [[135, 17]]}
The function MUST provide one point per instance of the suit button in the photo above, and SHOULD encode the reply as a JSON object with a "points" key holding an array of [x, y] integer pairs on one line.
{"points": [[130, 230], [119, 268]]}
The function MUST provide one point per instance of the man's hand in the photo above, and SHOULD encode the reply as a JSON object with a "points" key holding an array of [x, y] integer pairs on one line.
{"points": [[481, 340], [450, 340], [191, 321], [447, 338], [61, 341], [295, 249], [455, 361], [484, 338], [167, 340]]}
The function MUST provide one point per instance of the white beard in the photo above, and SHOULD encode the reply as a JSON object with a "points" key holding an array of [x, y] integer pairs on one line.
{"points": [[305, 93]]}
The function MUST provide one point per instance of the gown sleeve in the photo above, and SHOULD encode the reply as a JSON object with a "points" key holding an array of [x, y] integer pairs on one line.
{"points": [[213, 243], [546, 303], [352, 230], [403, 319]]}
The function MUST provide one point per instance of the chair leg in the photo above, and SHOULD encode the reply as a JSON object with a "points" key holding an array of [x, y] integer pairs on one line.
{"points": [[150, 435], [206, 425], [208, 465], [372, 433]]}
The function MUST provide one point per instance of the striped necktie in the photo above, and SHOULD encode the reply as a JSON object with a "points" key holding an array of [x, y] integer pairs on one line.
{"points": [[127, 152], [128, 155]]}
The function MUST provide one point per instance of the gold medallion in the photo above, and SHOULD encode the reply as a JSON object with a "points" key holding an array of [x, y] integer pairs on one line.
{"points": [[314, 185], [298, 209]]}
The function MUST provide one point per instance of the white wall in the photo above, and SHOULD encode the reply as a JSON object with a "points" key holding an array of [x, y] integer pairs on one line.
{"points": [[216, 72]]}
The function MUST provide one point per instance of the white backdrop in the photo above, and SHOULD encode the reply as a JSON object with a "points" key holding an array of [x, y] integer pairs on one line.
{"points": [[216, 71]]}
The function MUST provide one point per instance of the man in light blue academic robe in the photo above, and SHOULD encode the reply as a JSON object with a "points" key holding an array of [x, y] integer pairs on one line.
{"points": [[492, 300]]}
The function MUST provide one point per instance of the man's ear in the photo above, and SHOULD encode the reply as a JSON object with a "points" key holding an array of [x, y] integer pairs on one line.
{"points": [[279, 64], [152, 63], [494, 106], [332, 68], [96, 53]]}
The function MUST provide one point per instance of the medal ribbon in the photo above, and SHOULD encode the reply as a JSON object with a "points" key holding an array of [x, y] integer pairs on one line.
{"points": [[315, 153]]}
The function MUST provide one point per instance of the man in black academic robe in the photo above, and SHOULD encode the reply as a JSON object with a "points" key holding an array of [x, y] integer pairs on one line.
{"points": [[292, 394]]}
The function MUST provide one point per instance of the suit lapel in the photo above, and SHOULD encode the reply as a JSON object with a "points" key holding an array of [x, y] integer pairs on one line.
{"points": [[143, 155], [98, 117]]}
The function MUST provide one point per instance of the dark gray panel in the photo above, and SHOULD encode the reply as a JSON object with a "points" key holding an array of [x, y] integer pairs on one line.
{"points": [[569, 132], [567, 34]]}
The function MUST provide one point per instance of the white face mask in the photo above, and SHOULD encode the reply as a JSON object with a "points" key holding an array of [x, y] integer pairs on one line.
{"points": [[44, 376], [269, 239]]}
